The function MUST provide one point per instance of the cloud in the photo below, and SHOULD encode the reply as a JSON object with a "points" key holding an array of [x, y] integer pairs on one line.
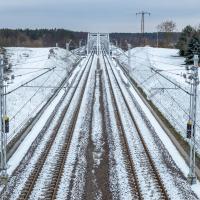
{"points": [[99, 15]]}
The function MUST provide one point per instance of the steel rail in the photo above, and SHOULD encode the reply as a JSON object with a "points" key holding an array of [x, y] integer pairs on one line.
{"points": [[135, 181], [30, 183], [20, 136], [156, 173]]}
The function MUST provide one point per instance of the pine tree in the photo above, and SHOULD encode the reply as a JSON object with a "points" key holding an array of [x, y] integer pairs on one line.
{"points": [[193, 48], [184, 39]]}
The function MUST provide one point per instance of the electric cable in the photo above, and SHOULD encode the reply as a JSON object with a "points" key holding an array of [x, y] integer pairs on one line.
{"points": [[23, 106], [30, 57], [29, 81], [29, 62], [19, 75]]}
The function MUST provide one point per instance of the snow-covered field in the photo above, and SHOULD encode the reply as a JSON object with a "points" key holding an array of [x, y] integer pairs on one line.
{"points": [[171, 101], [27, 64], [79, 173]]}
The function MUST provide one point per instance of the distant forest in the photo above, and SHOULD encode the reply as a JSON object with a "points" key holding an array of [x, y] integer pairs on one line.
{"points": [[40, 37], [49, 38], [137, 39]]}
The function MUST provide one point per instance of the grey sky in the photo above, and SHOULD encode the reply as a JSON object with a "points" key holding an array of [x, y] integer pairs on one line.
{"points": [[97, 15]]}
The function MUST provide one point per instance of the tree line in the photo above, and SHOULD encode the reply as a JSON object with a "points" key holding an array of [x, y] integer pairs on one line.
{"points": [[189, 43], [49, 38], [39, 37]]}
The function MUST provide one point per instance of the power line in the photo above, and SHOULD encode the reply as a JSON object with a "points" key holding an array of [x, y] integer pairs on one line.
{"points": [[154, 61], [161, 56], [158, 71], [19, 75], [30, 57], [39, 86], [22, 107], [30, 81], [29, 62], [142, 13], [31, 68], [177, 85], [160, 62]]}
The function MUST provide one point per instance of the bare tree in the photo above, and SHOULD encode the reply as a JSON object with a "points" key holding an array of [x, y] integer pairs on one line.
{"points": [[167, 27]]}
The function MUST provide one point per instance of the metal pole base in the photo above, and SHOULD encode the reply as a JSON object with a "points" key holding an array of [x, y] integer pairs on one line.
{"points": [[192, 179]]}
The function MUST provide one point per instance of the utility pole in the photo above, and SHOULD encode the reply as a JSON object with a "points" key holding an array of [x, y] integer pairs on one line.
{"points": [[191, 126], [3, 124], [80, 43], [142, 13], [67, 45], [116, 43], [157, 39], [129, 57], [109, 49], [98, 43]]}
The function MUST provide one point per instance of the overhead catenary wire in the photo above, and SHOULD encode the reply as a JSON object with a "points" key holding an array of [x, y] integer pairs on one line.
{"points": [[178, 104], [32, 112], [19, 75], [174, 100], [177, 85], [159, 72], [31, 68], [148, 78], [151, 76], [38, 86], [23, 106], [162, 56], [167, 63], [30, 57], [29, 81], [18, 64], [26, 119], [154, 60], [166, 109]]}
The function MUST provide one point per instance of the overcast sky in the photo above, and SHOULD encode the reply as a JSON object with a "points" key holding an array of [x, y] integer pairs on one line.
{"points": [[97, 15]]}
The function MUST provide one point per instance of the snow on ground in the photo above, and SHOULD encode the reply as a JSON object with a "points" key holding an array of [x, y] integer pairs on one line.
{"points": [[78, 143], [119, 185], [28, 63], [164, 59], [173, 182], [173, 103], [25, 145]]}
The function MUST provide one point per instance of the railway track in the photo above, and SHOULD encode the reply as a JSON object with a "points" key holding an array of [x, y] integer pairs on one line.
{"points": [[62, 154], [165, 127], [15, 141], [57, 175], [77, 188], [147, 163], [29, 184], [61, 163]]}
